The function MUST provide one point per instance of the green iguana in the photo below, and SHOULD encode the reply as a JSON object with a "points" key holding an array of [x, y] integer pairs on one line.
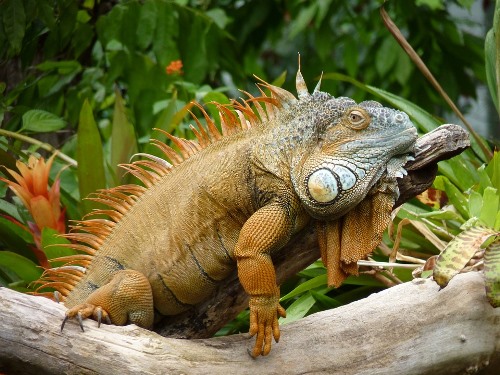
{"points": [[228, 200]]}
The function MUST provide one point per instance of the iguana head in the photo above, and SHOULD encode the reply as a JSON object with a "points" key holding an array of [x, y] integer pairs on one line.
{"points": [[351, 147]]}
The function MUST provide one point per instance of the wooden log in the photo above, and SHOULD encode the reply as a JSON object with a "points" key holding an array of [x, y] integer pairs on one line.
{"points": [[412, 328]]}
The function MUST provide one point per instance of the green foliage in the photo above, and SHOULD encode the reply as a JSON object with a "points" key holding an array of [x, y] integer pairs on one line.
{"points": [[478, 209], [36, 120], [54, 246], [17, 238], [123, 139], [24, 269], [492, 57], [90, 157], [470, 222]]}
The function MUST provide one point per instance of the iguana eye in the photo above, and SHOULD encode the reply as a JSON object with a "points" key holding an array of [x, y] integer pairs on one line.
{"points": [[358, 119]]}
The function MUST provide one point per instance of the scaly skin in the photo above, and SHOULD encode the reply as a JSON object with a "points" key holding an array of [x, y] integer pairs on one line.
{"points": [[234, 202]]}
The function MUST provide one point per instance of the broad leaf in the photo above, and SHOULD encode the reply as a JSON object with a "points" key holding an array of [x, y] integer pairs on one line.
{"points": [[14, 23], [490, 207], [490, 61], [22, 266], [457, 198], [123, 139], [50, 241], [9, 209], [492, 273], [62, 67], [146, 25], [493, 170], [16, 238], [91, 175], [459, 252], [298, 309], [306, 286], [325, 301], [41, 121]]}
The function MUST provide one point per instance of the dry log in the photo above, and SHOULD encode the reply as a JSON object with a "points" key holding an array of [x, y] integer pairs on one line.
{"points": [[413, 328]]}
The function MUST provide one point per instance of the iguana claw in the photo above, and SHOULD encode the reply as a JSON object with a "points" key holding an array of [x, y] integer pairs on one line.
{"points": [[80, 320], [99, 313], [64, 322], [85, 310]]}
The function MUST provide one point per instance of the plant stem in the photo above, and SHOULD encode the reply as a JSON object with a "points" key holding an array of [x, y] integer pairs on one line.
{"points": [[371, 263], [40, 144]]}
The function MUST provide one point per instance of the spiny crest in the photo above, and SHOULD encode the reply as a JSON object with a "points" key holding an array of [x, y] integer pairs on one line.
{"points": [[301, 86], [88, 235]]}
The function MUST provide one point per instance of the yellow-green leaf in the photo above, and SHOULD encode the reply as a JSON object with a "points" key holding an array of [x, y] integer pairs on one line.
{"points": [[458, 253], [91, 175], [38, 120], [123, 139], [53, 245], [489, 209], [298, 309], [306, 286], [492, 273], [457, 198]]}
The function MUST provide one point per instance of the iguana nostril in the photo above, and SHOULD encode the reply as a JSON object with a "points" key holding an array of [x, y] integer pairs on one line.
{"points": [[399, 117]]}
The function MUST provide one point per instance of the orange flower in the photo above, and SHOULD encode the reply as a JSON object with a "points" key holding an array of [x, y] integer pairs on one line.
{"points": [[175, 67], [42, 201]]}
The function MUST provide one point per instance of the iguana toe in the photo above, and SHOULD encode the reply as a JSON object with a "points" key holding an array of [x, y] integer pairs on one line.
{"points": [[99, 314]]}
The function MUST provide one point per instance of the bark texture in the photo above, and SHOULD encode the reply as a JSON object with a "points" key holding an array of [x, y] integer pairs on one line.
{"points": [[413, 328]]}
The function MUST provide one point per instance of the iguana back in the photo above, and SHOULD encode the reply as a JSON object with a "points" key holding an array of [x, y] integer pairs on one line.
{"points": [[181, 231]]}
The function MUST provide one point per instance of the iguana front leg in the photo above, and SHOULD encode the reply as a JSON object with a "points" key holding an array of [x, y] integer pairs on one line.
{"points": [[126, 298], [267, 229]]}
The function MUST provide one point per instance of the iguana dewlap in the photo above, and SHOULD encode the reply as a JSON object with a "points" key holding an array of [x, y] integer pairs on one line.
{"points": [[229, 200]]}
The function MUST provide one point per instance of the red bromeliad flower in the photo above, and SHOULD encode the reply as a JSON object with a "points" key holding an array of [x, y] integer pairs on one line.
{"points": [[31, 185]]}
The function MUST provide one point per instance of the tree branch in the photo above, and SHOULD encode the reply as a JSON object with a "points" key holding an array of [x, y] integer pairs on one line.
{"points": [[412, 328]]}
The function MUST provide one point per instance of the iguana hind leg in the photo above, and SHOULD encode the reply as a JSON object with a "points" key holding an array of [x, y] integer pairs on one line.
{"points": [[126, 298]]}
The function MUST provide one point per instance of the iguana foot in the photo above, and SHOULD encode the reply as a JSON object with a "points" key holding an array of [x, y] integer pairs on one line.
{"points": [[85, 310], [264, 313], [126, 298]]}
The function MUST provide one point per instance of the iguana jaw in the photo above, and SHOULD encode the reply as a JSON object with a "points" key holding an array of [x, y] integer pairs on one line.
{"points": [[393, 145]]}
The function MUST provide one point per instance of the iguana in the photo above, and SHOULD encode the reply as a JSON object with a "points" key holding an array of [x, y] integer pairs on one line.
{"points": [[229, 199]]}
